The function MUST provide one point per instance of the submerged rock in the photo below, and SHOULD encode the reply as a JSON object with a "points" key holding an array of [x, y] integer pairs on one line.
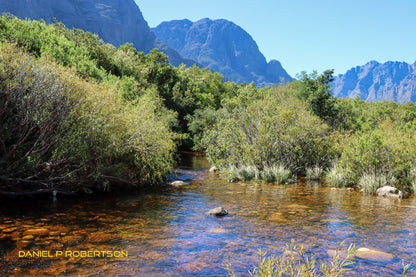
{"points": [[365, 254], [178, 183], [219, 211], [36, 232], [373, 255], [391, 192]]}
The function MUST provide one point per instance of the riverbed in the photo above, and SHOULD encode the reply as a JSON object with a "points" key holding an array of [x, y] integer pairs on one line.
{"points": [[166, 232]]}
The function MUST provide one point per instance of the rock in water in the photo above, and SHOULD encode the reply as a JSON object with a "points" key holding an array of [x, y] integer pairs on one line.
{"points": [[388, 191], [178, 183], [373, 255], [219, 211], [213, 169]]}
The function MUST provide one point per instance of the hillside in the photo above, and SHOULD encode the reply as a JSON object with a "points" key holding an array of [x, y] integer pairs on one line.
{"points": [[116, 22]]}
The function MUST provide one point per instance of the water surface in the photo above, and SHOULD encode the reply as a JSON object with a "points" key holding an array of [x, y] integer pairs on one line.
{"points": [[167, 233]]}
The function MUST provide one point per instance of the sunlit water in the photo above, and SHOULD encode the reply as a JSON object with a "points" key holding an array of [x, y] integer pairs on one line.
{"points": [[168, 233]]}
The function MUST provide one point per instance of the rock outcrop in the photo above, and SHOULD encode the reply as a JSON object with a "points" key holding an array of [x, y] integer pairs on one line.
{"points": [[114, 21], [395, 81], [224, 47]]}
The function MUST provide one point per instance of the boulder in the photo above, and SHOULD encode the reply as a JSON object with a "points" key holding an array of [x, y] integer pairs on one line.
{"points": [[391, 192], [219, 211]]}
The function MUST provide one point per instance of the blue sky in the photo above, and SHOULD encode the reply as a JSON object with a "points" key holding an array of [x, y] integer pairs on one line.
{"points": [[309, 34]]}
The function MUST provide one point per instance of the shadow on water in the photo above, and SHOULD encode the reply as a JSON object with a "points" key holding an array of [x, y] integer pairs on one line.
{"points": [[168, 233]]}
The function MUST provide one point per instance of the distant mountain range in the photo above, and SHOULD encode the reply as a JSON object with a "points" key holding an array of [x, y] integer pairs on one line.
{"points": [[219, 45], [395, 81], [114, 21], [224, 47]]}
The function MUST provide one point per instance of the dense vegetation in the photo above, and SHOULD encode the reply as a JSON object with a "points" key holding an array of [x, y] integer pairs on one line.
{"points": [[77, 113]]}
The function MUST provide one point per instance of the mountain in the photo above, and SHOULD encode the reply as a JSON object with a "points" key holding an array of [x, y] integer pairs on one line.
{"points": [[222, 46], [114, 21], [395, 81]]}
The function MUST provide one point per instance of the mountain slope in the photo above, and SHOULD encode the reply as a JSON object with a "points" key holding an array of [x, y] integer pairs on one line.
{"points": [[116, 22], [222, 46], [395, 81]]}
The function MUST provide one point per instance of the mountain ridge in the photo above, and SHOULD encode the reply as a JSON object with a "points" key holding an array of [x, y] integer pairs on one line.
{"points": [[374, 81], [222, 46]]}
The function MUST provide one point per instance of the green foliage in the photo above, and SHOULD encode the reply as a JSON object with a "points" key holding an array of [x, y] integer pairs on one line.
{"points": [[386, 151], [268, 127], [63, 131], [296, 262], [316, 91]]}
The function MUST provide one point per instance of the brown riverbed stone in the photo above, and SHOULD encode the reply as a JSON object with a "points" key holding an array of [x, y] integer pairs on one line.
{"points": [[28, 237], [23, 243], [71, 239], [99, 237], [36, 232], [218, 231], [9, 230]]}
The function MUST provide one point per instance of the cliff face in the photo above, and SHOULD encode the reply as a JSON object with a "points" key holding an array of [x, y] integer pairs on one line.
{"points": [[395, 81], [115, 21], [224, 47]]}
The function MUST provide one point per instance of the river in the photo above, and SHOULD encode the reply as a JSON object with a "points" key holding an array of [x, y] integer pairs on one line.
{"points": [[168, 233]]}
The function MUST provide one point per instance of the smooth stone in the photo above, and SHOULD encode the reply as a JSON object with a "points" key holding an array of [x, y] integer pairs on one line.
{"points": [[334, 253], [218, 231], [213, 169], [9, 230], [23, 243], [28, 237], [389, 191], [219, 211], [36, 232], [178, 183], [373, 255]]}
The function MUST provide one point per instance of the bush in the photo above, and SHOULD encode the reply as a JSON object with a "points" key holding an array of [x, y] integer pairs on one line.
{"points": [[60, 130], [267, 129], [296, 262], [386, 151]]}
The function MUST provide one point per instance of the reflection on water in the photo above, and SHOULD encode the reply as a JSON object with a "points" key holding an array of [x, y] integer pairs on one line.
{"points": [[167, 233]]}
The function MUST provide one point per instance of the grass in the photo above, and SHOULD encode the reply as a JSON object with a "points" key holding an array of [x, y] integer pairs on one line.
{"points": [[314, 173], [370, 182], [275, 173], [335, 177]]}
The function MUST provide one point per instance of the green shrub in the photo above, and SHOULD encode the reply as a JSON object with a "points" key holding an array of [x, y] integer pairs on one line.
{"points": [[296, 262], [60, 130], [273, 128]]}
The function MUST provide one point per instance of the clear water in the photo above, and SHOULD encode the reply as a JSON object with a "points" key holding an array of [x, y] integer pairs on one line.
{"points": [[168, 233]]}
